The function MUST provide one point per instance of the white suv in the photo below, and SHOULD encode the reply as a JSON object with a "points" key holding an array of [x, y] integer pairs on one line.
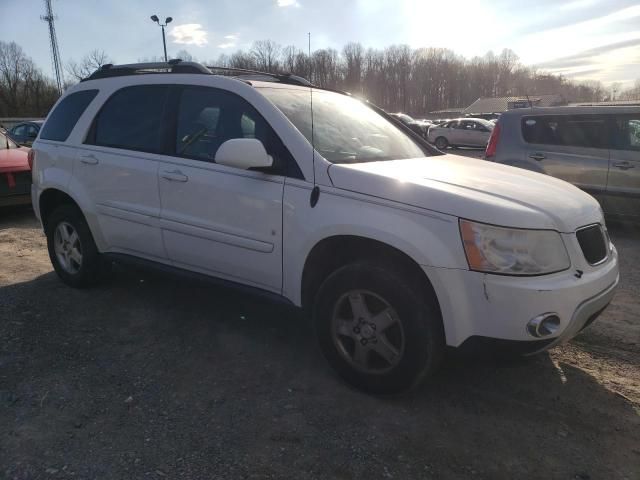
{"points": [[395, 249]]}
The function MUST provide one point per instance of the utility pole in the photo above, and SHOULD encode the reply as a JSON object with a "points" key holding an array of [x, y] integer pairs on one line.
{"points": [[164, 41], [55, 52]]}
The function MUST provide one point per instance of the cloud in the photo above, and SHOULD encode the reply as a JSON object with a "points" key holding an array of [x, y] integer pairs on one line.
{"points": [[227, 45], [189, 34], [587, 56], [231, 41], [288, 3]]}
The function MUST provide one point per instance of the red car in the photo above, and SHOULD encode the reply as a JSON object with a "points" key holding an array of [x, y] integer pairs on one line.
{"points": [[15, 173]]}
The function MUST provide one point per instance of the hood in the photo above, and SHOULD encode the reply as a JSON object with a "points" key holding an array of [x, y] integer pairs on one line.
{"points": [[473, 189], [14, 160]]}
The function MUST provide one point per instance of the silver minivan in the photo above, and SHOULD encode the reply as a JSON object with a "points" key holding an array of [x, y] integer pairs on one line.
{"points": [[596, 148]]}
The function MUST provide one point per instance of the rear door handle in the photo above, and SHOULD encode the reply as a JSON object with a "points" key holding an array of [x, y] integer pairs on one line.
{"points": [[537, 156], [174, 176], [624, 165], [89, 159]]}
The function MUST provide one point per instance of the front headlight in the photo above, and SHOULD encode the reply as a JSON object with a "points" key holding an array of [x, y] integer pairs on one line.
{"points": [[512, 251]]}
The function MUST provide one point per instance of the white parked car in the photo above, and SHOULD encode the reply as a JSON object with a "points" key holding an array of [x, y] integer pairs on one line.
{"points": [[395, 249], [463, 132]]}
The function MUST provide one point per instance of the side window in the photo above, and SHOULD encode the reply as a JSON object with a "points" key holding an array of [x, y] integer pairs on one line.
{"points": [[587, 131], [19, 130], [459, 125], [32, 131], [65, 116], [132, 118], [208, 117], [627, 136]]}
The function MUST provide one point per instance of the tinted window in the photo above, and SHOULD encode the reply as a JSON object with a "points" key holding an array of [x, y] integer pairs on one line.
{"points": [[627, 132], [132, 119], [62, 120], [19, 130], [566, 130], [208, 117]]}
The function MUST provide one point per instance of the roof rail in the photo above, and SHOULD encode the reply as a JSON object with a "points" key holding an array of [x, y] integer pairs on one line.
{"points": [[172, 66], [287, 78]]}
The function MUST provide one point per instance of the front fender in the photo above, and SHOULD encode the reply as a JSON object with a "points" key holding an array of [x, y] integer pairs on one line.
{"points": [[429, 238]]}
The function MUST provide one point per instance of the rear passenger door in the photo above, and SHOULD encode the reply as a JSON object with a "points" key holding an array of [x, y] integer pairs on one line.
{"points": [[118, 168], [217, 219], [623, 187], [571, 147]]}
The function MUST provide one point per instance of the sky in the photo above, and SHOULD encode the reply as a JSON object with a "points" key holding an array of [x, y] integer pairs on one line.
{"points": [[581, 39]]}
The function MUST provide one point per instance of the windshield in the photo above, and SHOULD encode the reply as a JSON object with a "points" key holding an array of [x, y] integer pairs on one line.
{"points": [[6, 142], [405, 118], [345, 130]]}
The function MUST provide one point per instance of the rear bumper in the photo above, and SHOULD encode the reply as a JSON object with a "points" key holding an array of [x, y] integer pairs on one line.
{"points": [[11, 200]]}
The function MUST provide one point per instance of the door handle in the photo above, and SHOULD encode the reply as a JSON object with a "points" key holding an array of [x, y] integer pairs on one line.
{"points": [[624, 165], [174, 176], [537, 156], [89, 159]]}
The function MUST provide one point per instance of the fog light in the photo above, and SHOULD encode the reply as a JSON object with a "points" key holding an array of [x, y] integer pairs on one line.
{"points": [[543, 325]]}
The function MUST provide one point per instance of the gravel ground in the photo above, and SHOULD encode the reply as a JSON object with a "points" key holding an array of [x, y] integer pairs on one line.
{"points": [[156, 377]]}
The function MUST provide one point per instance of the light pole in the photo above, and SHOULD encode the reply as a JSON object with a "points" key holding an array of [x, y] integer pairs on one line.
{"points": [[166, 22]]}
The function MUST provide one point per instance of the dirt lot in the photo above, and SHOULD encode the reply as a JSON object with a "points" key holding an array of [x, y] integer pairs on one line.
{"points": [[154, 377]]}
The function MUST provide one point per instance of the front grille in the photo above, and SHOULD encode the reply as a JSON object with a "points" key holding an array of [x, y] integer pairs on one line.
{"points": [[593, 243]]}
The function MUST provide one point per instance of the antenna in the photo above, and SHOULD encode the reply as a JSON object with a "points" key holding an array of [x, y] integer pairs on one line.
{"points": [[315, 193], [55, 52]]}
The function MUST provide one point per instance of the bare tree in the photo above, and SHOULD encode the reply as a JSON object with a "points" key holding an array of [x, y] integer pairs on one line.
{"points": [[266, 55], [89, 64]]}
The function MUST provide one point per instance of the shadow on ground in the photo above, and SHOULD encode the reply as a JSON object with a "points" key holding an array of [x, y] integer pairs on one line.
{"points": [[155, 376]]}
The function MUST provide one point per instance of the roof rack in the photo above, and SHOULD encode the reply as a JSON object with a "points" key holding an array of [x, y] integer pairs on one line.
{"points": [[178, 66], [172, 66], [287, 78]]}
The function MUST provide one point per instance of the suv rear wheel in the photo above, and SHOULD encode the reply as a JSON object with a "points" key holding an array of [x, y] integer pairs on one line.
{"points": [[376, 329], [72, 251]]}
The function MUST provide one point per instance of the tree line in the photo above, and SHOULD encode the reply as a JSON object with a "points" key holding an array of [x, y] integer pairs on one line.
{"points": [[397, 78]]}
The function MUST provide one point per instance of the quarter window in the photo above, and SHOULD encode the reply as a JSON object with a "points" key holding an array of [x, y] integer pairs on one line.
{"points": [[64, 117], [132, 119], [588, 131]]}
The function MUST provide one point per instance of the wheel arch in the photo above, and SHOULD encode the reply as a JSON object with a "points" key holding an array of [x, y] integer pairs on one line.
{"points": [[50, 199], [332, 252]]}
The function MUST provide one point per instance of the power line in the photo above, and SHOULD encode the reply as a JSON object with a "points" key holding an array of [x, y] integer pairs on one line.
{"points": [[55, 52]]}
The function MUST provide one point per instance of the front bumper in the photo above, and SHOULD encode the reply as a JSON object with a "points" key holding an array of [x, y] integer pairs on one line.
{"points": [[475, 304]]}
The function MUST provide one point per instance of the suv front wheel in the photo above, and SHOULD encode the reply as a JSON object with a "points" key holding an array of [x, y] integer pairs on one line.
{"points": [[72, 251], [380, 332]]}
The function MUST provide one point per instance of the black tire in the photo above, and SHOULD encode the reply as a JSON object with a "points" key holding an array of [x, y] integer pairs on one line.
{"points": [[92, 267], [441, 143], [417, 314]]}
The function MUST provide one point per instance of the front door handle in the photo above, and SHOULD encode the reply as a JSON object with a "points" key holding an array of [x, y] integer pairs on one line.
{"points": [[174, 176], [624, 165], [89, 159], [537, 156]]}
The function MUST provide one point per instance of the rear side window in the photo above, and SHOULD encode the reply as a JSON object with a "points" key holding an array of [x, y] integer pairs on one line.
{"points": [[588, 131], [132, 119], [627, 136], [65, 116]]}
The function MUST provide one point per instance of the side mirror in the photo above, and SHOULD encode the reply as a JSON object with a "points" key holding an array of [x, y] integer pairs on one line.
{"points": [[243, 153]]}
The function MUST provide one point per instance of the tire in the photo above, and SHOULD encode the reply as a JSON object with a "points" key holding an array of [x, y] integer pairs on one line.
{"points": [[441, 143], [75, 258], [403, 345]]}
